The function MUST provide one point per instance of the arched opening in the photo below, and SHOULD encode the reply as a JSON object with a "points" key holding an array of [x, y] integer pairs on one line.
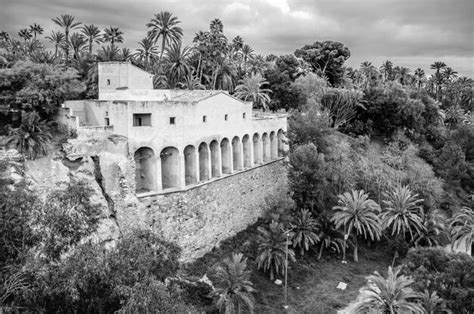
{"points": [[190, 170], [236, 153], [170, 172], [257, 150], [273, 146], [203, 162], [226, 158], [246, 147], [215, 167], [145, 170], [266, 147], [281, 147]]}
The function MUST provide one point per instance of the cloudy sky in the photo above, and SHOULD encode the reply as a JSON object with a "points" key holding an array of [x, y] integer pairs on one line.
{"points": [[412, 33]]}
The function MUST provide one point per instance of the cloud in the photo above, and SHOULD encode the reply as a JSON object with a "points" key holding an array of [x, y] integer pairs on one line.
{"points": [[404, 31]]}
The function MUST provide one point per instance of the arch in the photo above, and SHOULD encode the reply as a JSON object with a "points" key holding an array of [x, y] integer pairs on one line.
{"points": [[190, 167], [203, 162], [215, 158], [266, 147], [145, 170], [236, 153], [247, 153], [226, 157], [281, 147], [170, 168], [257, 151], [273, 146]]}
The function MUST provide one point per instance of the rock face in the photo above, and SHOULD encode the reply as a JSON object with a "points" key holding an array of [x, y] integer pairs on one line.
{"points": [[196, 219]]}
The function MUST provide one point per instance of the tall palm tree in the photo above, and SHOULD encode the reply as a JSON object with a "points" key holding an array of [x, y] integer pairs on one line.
{"points": [[113, 35], [247, 54], [238, 43], [402, 212], [461, 227], [177, 63], [66, 21], [165, 25], [146, 51], [387, 69], [449, 74], [438, 66], [125, 54], [5, 36], [58, 39], [251, 88], [25, 34], [233, 286], [329, 236], [36, 29], [216, 26], [419, 75], [92, 34], [191, 82], [434, 228], [109, 53], [78, 44], [392, 295], [356, 212]]}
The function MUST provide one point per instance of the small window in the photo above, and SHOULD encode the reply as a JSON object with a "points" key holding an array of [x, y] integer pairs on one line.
{"points": [[142, 119], [172, 120], [204, 118], [107, 121], [226, 117], [106, 113], [243, 115], [108, 82]]}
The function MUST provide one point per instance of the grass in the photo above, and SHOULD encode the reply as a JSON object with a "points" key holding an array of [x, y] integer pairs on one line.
{"points": [[311, 282]]}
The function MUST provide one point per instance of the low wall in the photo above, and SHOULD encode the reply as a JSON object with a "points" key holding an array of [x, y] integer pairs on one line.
{"points": [[198, 219]]}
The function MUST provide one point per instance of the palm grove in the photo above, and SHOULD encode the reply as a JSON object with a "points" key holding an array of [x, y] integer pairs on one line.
{"points": [[377, 155]]}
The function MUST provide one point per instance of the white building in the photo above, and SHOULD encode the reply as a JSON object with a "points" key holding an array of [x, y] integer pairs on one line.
{"points": [[179, 138]]}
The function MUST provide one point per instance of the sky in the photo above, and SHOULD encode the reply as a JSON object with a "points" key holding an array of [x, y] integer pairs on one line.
{"points": [[410, 33]]}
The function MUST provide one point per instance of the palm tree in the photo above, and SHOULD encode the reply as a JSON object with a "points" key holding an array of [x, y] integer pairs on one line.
{"points": [[250, 88], [392, 295], [5, 36], [432, 303], [78, 44], [233, 286], [305, 229], [66, 21], [434, 228], [109, 53], [419, 75], [449, 74], [216, 26], [387, 69], [113, 35], [58, 39], [177, 63], [125, 54], [165, 25], [272, 247], [357, 212], [438, 66], [191, 82], [461, 227], [92, 33], [36, 29], [32, 137], [25, 34], [402, 212], [146, 51], [329, 236], [247, 54], [237, 43]]}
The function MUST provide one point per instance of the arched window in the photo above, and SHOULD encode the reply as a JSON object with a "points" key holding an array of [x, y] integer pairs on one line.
{"points": [[203, 162], [266, 147], [190, 167], [145, 170], [226, 157], [273, 146], [257, 149], [247, 155], [170, 168], [281, 147], [236, 153], [215, 159]]}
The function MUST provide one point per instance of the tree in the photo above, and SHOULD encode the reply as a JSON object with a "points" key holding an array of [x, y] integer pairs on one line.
{"points": [[25, 34], [304, 231], [438, 66], [432, 303], [434, 229], [247, 54], [449, 74], [177, 63], [32, 137], [341, 106], [392, 295], [113, 35], [419, 75], [78, 44], [402, 212], [461, 227], [327, 58], [92, 34], [58, 39], [272, 245], [233, 286], [147, 51], [251, 88], [356, 212], [330, 237], [66, 21], [165, 25], [36, 30], [109, 53], [387, 69]]}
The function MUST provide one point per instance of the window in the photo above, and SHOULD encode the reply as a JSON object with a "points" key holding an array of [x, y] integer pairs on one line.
{"points": [[172, 120], [106, 113], [243, 115], [142, 119], [226, 117], [108, 82], [204, 118], [107, 121]]}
